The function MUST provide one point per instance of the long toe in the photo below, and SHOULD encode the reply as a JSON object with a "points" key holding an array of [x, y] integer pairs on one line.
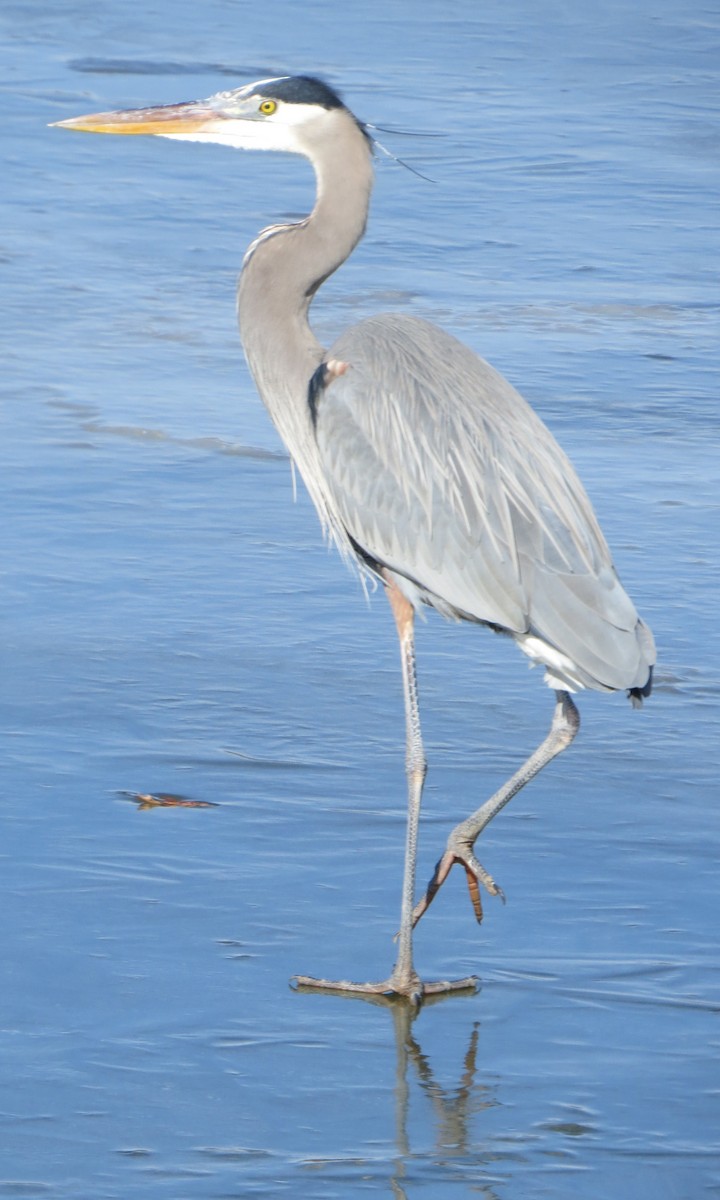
{"points": [[459, 851], [412, 990]]}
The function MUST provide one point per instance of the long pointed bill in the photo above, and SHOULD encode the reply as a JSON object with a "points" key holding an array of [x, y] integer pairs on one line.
{"points": [[244, 119], [165, 120]]}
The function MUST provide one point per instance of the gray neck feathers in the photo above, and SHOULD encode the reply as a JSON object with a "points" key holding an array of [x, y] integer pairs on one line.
{"points": [[283, 269]]}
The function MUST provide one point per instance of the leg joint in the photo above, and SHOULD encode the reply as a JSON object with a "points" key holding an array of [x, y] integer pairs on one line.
{"points": [[566, 721]]}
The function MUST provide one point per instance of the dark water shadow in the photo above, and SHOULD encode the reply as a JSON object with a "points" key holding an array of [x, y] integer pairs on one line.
{"points": [[92, 65]]}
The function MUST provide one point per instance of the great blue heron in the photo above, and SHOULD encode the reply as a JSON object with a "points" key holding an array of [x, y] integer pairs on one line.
{"points": [[426, 467]]}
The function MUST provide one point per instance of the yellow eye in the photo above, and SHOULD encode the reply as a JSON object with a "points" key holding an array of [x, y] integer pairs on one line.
{"points": [[267, 107]]}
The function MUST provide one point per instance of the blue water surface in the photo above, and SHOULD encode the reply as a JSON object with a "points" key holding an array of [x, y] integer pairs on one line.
{"points": [[173, 624]]}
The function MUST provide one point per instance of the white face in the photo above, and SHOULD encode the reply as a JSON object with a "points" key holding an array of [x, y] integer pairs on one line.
{"points": [[248, 119]]}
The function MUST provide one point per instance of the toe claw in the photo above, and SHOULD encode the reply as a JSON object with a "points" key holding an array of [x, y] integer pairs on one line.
{"points": [[475, 875]]}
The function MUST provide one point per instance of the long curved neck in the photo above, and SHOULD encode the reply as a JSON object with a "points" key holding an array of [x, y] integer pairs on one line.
{"points": [[282, 271]]}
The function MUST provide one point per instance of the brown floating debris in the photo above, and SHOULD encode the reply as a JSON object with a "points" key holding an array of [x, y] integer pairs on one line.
{"points": [[146, 800]]}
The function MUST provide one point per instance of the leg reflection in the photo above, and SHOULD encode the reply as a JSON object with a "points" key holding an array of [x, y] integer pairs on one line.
{"points": [[453, 1106]]}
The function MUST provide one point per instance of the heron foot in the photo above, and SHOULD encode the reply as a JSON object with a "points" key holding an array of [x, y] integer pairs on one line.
{"points": [[459, 851], [413, 990]]}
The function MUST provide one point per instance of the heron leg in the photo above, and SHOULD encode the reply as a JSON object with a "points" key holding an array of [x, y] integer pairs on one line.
{"points": [[404, 974], [459, 849], [404, 980]]}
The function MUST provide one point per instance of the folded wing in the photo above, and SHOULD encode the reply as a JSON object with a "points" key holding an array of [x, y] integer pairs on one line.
{"points": [[441, 472]]}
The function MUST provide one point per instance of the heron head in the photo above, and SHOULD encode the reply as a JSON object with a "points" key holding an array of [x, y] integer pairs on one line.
{"points": [[286, 113]]}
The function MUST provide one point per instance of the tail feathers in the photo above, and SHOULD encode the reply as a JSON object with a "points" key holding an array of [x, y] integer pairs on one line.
{"points": [[636, 695]]}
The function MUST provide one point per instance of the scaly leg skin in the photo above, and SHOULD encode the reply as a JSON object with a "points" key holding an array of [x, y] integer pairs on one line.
{"points": [[565, 724], [404, 981]]}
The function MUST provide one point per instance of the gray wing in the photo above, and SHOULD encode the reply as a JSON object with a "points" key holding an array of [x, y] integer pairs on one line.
{"points": [[438, 469]]}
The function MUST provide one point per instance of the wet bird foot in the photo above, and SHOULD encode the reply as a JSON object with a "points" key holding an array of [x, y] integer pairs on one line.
{"points": [[412, 990], [460, 851]]}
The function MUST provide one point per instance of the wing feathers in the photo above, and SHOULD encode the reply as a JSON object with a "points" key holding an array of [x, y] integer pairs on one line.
{"points": [[439, 469]]}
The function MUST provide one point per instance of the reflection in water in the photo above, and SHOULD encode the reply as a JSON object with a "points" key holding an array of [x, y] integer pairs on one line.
{"points": [[452, 1107]]}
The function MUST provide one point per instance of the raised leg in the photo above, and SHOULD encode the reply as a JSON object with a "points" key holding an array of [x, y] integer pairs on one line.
{"points": [[404, 980], [565, 724]]}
